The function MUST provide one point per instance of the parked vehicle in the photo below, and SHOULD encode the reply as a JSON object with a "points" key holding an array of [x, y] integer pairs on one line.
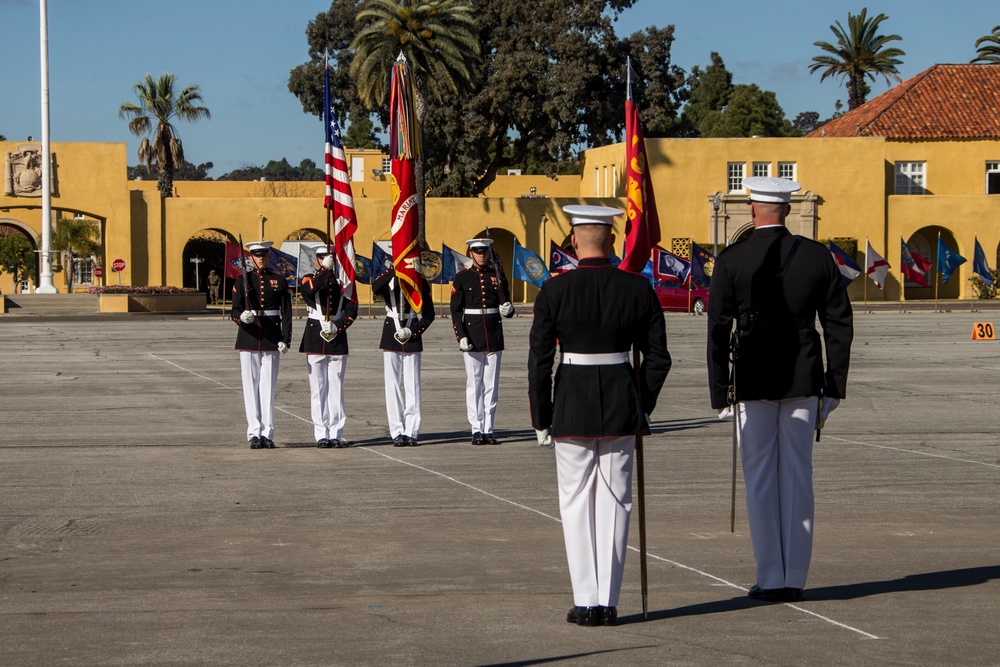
{"points": [[673, 295]]}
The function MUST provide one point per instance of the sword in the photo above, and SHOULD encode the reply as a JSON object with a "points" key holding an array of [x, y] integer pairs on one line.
{"points": [[246, 281], [640, 483], [734, 344]]}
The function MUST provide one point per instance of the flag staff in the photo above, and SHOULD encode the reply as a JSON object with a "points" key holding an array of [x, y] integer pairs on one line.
{"points": [[937, 272], [867, 245]]}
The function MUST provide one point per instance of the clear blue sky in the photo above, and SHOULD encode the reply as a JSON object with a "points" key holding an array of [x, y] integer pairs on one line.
{"points": [[240, 53]]}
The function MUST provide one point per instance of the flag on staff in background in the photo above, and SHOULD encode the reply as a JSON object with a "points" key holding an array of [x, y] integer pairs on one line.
{"points": [[560, 260], [702, 263], [307, 259], [669, 264], [432, 266], [528, 266], [979, 265], [642, 224], [234, 261], [947, 260], [339, 199], [284, 264], [615, 260], [875, 265], [379, 259], [404, 137], [363, 270], [849, 269], [913, 266], [452, 262], [649, 273]]}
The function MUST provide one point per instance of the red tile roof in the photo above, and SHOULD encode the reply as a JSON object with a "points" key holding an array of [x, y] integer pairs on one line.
{"points": [[943, 102]]}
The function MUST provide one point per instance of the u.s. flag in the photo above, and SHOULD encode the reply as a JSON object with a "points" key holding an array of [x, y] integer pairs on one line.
{"points": [[339, 199]]}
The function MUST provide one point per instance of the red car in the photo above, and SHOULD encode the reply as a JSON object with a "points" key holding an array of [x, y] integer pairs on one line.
{"points": [[673, 295]]}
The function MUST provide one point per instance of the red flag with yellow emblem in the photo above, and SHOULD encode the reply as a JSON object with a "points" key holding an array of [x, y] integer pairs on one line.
{"points": [[642, 224], [403, 148]]}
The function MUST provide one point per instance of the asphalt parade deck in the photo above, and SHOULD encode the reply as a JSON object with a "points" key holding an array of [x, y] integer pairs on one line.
{"points": [[139, 529]]}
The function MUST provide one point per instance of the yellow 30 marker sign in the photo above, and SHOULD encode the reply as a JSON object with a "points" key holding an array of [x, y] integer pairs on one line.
{"points": [[983, 331]]}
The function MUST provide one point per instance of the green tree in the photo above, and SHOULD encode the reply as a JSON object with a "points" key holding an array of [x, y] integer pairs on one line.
{"points": [[361, 133], [710, 91], [439, 41], [3, 138], [152, 116], [17, 257], [185, 171], [750, 112], [277, 170], [75, 237], [988, 48], [860, 53], [806, 122]]}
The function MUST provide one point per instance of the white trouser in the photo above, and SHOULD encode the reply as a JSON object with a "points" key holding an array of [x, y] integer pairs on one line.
{"points": [[776, 439], [482, 374], [595, 501], [402, 403], [326, 392], [260, 375]]}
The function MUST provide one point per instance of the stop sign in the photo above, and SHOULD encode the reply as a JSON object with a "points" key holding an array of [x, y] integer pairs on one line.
{"points": [[118, 265], [98, 272]]}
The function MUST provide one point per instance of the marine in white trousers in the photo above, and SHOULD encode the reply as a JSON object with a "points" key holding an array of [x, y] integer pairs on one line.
{"points": [[776, 441], [326, 393], [482, 375], [402, 398], [595, 501], [260, 375]]}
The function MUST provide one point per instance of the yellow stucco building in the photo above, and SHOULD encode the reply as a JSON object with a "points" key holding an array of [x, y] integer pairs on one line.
{"points": [[921, 159]]}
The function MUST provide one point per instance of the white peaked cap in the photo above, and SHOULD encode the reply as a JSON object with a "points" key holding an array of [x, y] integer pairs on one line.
{"points": [[259, 245], [592, 215], [770, 190], [479, 243]]}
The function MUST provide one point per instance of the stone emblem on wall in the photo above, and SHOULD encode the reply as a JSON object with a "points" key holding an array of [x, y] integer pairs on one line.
{"points": [[22, 172]]}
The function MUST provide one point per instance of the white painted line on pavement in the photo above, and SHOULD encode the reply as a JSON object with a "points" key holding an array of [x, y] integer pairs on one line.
{"points": [[911, 451]]}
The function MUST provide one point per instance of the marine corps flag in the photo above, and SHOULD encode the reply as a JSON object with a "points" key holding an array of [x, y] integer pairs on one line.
{"points": [[403, 147], [642, 224]]}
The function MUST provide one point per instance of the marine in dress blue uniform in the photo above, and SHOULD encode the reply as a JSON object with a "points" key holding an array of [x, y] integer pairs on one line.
{"points": [[596, 314], [770, 288], [324, 342], [479, 301], [401, 345], [262, 308]]}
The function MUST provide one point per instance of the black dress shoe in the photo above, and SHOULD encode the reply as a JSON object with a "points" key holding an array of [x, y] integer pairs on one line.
{"points": [[411, 442], [609, 616], [477, 438], [338, 443], [793, 594], [324, 443], [266, 443], [490, 439], [255, 443], [572, 615], [399, 441], [767, 594], [589, 616]]}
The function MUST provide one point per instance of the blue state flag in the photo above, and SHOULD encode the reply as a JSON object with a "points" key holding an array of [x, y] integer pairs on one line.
{"points": [[432, 266], [979, 265], [702, 262], [285, 264], [452, 262], [363, 270], [947, 260], [529, 267], [669, 264], [614, 259], [648, 272], [849, 269], [379, 259]]}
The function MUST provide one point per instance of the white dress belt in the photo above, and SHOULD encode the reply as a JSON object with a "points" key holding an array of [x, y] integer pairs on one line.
{"points": [[482, 311], [268, 313], [391, 312], [603, 359]]}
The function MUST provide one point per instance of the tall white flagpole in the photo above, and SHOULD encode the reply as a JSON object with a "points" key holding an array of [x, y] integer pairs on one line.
{"points": [[45, 285]]}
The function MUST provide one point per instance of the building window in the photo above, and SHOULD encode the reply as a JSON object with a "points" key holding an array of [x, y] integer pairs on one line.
{"points": [[910, 178], [786, 170], [736, 170], [386, 165], [83, 271], [993, 178], [762, 169]]}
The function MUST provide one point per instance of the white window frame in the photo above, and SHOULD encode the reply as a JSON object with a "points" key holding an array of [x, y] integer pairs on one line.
{"points": [[735, 173], [386, 165], [83, 270], [761, 169], [911, 178], [787, 170], [992, 167]]}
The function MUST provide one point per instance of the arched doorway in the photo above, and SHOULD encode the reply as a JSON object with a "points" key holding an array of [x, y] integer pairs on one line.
{"points": [[924, 243], [203, 253], [18, 256]]}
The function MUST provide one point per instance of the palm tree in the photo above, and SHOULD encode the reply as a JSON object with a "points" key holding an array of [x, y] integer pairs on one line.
{"points": [[75, 237], [988, 48], [860, 52], [441, 46], [157, 105]]}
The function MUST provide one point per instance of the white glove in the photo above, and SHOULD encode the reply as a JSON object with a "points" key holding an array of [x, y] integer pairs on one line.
{"points": [[327, 331], [403, 335], [282, 347], [726, 414], [247, 317], [506, 309], [387, 264], [328, 262], [464, 345], [544, 439], [829, 405]]}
